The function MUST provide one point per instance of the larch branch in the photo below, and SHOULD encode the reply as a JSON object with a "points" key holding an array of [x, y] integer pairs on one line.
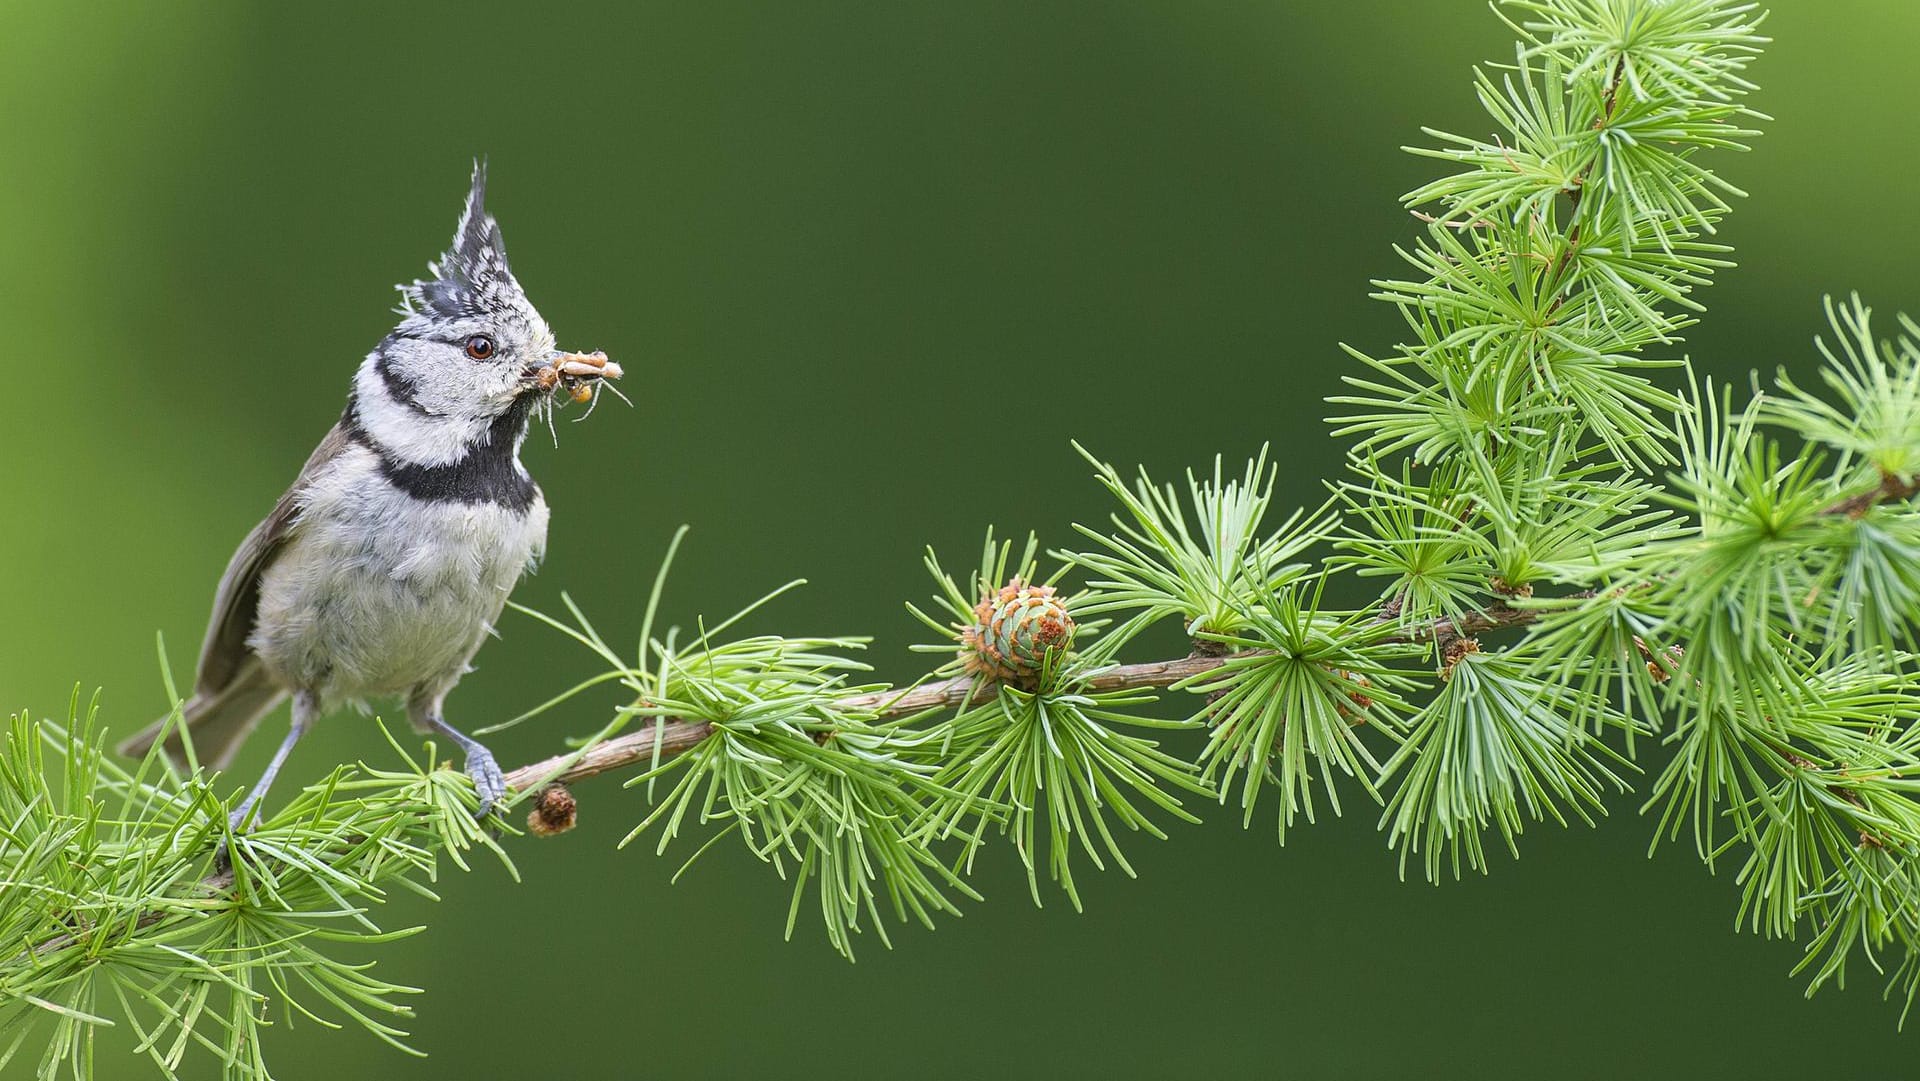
{"points": [[664, 738]]}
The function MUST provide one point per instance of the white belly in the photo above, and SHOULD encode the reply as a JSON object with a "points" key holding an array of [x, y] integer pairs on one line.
{"points": [[376, 593]]}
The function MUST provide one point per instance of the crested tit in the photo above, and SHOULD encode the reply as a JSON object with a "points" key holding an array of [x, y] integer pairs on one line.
{"points": [[384, 566]]}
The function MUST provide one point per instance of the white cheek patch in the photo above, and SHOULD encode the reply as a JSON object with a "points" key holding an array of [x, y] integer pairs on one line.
{"points": [[415, 433]]}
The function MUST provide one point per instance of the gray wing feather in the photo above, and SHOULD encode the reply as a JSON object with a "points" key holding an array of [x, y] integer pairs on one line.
{"points": [[224, 653]]}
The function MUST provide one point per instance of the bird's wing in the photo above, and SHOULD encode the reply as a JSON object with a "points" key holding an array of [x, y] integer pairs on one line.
{"points": [[225, 653]]}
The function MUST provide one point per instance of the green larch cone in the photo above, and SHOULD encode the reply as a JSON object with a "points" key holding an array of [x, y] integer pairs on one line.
{"points": [[1019, 626]]}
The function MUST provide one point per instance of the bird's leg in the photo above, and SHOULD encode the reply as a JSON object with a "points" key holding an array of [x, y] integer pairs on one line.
{"points": [[488, 781], [305, 707]]}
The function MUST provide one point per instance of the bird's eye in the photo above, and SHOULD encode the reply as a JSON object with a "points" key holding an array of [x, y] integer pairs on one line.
{"points": [[480, 347]]}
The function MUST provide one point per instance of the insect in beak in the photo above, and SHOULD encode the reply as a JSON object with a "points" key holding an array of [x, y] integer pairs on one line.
{"points": [[576, 373]]}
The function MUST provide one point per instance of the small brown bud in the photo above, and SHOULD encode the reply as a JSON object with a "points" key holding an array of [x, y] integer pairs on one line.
{"points": [[1509, 589], [1661, 665], [1360, 699], [1209, 647], [554, 811], [1454, 651]]}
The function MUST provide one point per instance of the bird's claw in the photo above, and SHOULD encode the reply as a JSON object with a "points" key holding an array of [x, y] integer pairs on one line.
{"points": [[488, 781]]}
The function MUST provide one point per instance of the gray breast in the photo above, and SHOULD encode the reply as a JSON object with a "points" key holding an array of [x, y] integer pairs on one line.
{"points": [[379, 591]]}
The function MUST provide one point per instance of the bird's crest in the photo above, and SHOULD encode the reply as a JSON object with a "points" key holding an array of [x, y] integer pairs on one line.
{"points": [[472, 277]]}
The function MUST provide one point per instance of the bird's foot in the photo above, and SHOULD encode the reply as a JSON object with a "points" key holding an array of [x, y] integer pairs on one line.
{"points": [[488, 781]]}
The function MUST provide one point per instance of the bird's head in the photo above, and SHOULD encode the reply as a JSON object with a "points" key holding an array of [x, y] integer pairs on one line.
{"points": [[470, 345]]}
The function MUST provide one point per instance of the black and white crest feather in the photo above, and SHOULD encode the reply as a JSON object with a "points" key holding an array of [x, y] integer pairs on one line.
{"points": [[472, 277]]}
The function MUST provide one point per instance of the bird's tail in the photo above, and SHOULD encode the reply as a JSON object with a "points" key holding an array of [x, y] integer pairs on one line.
{"points": [[220, 721]]}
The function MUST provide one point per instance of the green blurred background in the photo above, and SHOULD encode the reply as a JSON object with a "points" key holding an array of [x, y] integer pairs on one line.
{"points": [[869, 267]]}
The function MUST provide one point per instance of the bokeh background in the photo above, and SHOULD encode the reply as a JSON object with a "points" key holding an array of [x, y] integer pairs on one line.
{"points": [[869, 266]]}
